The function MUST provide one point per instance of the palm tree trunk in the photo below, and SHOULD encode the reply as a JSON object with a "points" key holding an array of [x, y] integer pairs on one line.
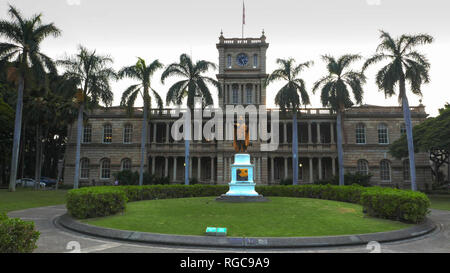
{"points": [[17, 132], [339, 147], [409, 138], [294, 149], [38, 163], [77, 153], [187, 135], [143, 142]]}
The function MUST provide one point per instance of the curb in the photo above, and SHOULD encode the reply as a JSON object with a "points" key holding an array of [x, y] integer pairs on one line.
{"points": [[246, 242]]}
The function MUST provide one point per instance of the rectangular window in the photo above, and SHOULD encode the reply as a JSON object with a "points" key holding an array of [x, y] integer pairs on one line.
{"points": [[84, 170], [107, 133], [235, 96], [383, 134], [127, 133], [249, 95], [87, 134], [360, 134]]}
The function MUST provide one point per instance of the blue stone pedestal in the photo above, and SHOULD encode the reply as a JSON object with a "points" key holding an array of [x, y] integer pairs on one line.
{"points": [[242, 186]]}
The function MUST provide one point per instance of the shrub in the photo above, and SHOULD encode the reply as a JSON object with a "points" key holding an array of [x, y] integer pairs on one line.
{"points": [[95, 201], [395, 204], [376, 201], [287, 181], [17, 236], [193, 181], [127, 177], [349, 178]]}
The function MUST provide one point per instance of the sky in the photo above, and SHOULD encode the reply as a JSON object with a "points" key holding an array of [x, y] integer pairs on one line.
{"points": [[301, 29]]}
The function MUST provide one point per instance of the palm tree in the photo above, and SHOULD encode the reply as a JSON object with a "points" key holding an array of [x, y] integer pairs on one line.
{"points": [[142, 73], [405, 64], [92, 74], [25, 36], [193, 85], [288, 97], [334, 89]]}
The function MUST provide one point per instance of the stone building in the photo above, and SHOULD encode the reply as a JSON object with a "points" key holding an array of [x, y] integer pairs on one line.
{"points": [[111, 138]]}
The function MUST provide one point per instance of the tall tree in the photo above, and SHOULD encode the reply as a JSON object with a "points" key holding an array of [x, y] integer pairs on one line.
{"points": [[92, 73], [194, 84], [334, 93], [142, 73], [405, 64], [25, 36], [291, 96]]}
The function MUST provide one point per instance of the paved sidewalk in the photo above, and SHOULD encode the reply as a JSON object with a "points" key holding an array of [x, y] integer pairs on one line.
{"points": [[56, 239]]}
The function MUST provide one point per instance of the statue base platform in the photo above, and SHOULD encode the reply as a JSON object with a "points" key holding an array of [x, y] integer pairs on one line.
{"points": [[241, 198]]}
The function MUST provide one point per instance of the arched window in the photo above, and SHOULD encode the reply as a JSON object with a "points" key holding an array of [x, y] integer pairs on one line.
{"points": [[126, 164], [360, 133], [406, 174], [107, 133], [105, 169], [229, 61], [84, 168], [235, 93], [385, 171], [87, 133], [363, 167], [249, 93], [255, 60], [383, 134], [127, 133], [402, 129]]}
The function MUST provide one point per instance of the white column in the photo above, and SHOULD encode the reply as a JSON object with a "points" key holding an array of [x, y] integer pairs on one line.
{"points": [[153, 164], [333, 165], [175, 169], [318, 133], [320, 168], [285, 131], [309, 132], [199, 163], [285, 167], [167, 132], [311, 176], [154, 132], [166, 167], [212, 169], [272, 169], [332, 132]]}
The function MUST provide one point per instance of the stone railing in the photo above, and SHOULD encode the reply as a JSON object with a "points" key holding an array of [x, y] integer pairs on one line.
{"points": [[240, 41]]}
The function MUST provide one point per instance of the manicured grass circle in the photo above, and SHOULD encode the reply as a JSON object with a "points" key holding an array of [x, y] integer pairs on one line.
{"points": [[281, 217]]}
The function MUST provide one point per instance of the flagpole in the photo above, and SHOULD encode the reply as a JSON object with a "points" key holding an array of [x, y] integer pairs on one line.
{"points": [[243, 17]]}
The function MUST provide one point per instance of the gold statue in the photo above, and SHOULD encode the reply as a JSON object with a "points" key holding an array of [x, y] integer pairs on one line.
{"points": [[241, 136]]}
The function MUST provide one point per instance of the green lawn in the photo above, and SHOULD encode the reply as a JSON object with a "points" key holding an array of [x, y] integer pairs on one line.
{"points": [[28, 198], [440, 201], [280, 217]]}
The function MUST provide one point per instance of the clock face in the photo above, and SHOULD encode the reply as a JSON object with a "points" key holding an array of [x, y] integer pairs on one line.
{"points": [[242, 59]]}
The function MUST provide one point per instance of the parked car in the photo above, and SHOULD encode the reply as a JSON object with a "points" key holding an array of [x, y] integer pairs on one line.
{"points": [[28, 183], [49, 182]]}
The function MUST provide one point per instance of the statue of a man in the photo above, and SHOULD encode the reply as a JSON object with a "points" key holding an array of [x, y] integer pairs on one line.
{"points": [[241, 137]]}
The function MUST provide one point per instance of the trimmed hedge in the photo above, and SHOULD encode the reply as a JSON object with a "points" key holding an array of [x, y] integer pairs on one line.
{"points": [[379, 202], [93, 202], [17, 236], [395, 204]]}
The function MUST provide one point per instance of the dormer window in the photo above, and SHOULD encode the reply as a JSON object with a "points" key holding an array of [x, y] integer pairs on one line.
{"points": [[255, 60], [229, 61]]}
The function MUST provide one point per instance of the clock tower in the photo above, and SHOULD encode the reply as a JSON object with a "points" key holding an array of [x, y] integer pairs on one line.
{"points": [[242, 70]]}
